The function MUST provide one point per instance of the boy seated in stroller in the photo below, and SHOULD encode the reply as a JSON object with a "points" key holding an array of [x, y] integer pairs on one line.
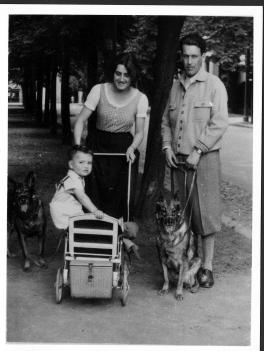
{"points": [[70, 197]]}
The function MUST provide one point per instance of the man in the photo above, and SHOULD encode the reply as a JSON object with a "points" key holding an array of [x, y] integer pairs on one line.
{"points": [[193, 124]]}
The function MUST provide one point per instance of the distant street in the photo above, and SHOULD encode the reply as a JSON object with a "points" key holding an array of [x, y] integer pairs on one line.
{"points": [[237, 156]]}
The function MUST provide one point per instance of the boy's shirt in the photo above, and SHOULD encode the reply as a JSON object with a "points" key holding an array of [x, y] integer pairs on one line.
{"points": [[64, 204]]}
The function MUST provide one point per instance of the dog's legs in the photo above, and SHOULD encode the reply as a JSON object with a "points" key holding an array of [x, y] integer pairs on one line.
{"points": [[41, 245], [25, 254], [9, 232], [165, 288], [179, 289], [190, 276]]}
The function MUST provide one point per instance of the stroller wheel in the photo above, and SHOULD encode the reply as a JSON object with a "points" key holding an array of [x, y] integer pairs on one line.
{"points": [[59, 285], [124, 285]]}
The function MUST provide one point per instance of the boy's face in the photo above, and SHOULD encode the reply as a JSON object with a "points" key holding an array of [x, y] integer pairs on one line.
{"points": [[81, 163]]}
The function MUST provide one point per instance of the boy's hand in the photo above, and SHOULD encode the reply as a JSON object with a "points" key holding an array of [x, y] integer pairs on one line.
{"points": [[99, 214]]}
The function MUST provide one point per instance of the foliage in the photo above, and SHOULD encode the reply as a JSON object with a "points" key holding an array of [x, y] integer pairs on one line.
{"points": [[141, 39], [228, 37]]}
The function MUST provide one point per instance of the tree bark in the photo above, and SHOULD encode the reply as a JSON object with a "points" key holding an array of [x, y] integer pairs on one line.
{"points": [[53, 98], [47, 98], [169, 28], [65, 98], [39, 96]]}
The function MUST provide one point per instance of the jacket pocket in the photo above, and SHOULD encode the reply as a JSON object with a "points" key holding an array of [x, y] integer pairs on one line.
{"points": [[202, 110]]}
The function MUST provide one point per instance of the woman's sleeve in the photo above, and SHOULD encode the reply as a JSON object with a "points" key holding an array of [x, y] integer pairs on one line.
{"points": [[93, 97], [142, 108]]}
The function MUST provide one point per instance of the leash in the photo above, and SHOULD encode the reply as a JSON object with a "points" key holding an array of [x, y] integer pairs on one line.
{"points": [[51, 258], [185, 190]]}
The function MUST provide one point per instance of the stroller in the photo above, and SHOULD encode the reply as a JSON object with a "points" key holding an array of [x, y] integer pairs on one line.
{"points": [[95, 260]]}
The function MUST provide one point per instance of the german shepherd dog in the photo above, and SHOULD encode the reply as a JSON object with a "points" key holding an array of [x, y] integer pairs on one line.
{"points": [[25, 215], [177, 247]]}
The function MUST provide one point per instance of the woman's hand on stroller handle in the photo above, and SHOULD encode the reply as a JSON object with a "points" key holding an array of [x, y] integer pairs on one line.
{"points": [[130, 154]]}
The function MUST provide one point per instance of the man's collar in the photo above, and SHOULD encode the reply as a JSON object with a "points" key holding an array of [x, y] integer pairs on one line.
{"points": [[201, 76]]}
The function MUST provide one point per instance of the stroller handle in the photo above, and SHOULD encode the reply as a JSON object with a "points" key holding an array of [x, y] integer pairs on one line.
{"points": [[109, 154]]}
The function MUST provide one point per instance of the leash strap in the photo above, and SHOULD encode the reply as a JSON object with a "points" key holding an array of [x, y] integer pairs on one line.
{"points": [[51, 258], [172, 181], [185, 190]]}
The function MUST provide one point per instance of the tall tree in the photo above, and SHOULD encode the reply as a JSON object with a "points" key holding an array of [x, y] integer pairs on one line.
{"points": [[169, 29]]}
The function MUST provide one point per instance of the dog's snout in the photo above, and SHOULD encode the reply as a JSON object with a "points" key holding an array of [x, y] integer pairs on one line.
{"points": [[170, 220], [24, 207]]}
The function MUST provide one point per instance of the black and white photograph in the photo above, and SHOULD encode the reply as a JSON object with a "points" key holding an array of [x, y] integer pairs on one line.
{"points": [[131, 145]]}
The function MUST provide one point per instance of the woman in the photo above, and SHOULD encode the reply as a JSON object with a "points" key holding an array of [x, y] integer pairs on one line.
{"points": [[119, 106]]}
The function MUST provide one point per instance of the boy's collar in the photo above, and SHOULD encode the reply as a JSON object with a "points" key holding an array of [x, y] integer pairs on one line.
{"points": [[72, 173]]}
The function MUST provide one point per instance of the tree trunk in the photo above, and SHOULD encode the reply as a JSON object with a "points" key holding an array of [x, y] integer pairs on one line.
{"points": [[92, 79], [53, 98], [169, 28], [65, 99], [29, 88], [39, 96], [47, 99]]}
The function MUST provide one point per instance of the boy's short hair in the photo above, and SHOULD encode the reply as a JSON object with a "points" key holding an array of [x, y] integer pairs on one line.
{"points": [[75, 148], [193, 39]]}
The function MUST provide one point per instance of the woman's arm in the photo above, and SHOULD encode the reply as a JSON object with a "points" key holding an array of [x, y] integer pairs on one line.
{"points": [[142, 110], [80, 123], [138, 137], [88, 108]]}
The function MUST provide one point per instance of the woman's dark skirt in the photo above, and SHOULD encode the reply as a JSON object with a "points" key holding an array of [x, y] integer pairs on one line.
{"points": [[107, 185]]}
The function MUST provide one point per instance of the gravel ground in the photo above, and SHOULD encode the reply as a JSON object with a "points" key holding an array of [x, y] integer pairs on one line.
{"points": [[218, 316]]}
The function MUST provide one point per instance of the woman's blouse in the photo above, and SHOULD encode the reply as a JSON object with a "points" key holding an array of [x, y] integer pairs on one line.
{"points": [[112, 117]]}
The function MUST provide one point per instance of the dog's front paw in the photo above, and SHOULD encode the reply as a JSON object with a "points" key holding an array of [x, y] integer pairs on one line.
{"points": [[179, 296], [163, 292], [26, 267]]}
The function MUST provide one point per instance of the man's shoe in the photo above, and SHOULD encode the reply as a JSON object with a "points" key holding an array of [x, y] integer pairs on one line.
{"points": [[205, 278]]}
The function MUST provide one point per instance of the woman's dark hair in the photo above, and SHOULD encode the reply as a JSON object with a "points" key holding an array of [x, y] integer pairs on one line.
{"points": [[75, 148], [193, 39], [128, 60]]}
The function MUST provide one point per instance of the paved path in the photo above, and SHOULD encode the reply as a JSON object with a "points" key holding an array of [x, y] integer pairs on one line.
{"points": [[218, 316], [236, 154]]}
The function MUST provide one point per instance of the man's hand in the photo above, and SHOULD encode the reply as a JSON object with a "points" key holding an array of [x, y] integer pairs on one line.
{"points": [[193, 159], [171, 158]]}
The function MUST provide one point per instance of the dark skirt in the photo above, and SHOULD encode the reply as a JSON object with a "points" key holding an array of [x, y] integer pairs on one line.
{"points": [[107, 185]]}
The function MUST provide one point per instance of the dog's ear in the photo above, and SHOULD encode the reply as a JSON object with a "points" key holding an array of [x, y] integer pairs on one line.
{"points": [[30, 180]]}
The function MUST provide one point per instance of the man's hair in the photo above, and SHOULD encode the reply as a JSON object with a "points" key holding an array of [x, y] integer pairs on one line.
{"points": [[193, 39], [75, 148]]}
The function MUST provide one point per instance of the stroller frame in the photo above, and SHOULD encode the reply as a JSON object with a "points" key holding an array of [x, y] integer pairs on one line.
{"points": [[95, 261]]}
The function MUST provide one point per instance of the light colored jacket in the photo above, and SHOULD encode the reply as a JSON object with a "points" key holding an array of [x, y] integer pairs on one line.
{"points": [[196, 117]]}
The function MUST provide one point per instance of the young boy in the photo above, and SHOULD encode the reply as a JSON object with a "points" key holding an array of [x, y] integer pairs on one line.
{"points": [[70, 193]]}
